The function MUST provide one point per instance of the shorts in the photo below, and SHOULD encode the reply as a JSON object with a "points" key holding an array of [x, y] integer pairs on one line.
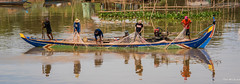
{"points": [[187, 32], [97, 35], [139, 33], [78, 30], [49, 31]]}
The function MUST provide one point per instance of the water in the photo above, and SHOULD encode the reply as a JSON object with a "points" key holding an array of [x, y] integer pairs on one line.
{"points": [[21, 63]]}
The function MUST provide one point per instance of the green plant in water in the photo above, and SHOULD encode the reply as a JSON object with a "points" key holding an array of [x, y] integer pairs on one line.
{"points": [[158, 15]]}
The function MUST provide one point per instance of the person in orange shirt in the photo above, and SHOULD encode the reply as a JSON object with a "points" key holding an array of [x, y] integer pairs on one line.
{"points": [[186, 23]]}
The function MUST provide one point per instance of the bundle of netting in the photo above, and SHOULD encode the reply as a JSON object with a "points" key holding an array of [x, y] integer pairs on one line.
{"points": [[75, 37], [132, 38], [181, 35]]}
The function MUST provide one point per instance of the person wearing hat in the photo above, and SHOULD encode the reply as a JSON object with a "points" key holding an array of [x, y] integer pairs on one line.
{"points": [[46, 24], [77, 28], [186, 24]]}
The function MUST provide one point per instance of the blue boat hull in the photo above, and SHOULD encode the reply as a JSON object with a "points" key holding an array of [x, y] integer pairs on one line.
{"points": [[196, 43]]}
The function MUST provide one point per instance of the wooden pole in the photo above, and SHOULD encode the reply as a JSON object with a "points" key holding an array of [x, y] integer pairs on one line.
{"points": [[228, 5], [166, 7], [154, 8], [143, 8]]}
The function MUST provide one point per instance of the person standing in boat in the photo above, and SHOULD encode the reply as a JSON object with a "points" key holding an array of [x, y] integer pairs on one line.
{"points": [[186, 24], [99, 33], [47, 25], [138, 29], [77, 29]]}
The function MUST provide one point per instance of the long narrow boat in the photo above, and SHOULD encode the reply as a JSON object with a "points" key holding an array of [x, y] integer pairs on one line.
{"points": [[18, 3], [200, 42]]}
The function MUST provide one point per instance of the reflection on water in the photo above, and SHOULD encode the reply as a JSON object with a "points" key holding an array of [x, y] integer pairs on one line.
{"points": [[98, 65], [98, 59], [186, 71], [185, 57], [77, 68], [46, 68]]}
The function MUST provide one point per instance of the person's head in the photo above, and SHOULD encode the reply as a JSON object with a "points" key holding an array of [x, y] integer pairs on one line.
{"points": [[96, 32], [186, 18], [126, 33], [46, 19], [139, 21], [77, 20]]}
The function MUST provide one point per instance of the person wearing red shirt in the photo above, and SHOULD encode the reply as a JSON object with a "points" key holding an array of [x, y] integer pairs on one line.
{"points": [[186, 23]]}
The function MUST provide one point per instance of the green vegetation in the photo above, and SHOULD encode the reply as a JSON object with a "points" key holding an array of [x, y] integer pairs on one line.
{"points": [[158, 15]]}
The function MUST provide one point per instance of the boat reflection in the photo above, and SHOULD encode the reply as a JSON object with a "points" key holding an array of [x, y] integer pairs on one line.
{"points": [[56, 3], [15, 9], [185, 57]]}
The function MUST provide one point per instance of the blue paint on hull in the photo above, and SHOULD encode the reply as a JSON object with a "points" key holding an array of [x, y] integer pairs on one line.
{"points": [[197, 43]]}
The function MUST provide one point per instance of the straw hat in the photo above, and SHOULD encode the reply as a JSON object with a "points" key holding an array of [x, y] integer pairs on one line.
{"points": [[77, 20]]}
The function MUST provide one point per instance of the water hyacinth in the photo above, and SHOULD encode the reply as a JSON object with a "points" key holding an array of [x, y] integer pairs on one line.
{"points": [[158, 15]]}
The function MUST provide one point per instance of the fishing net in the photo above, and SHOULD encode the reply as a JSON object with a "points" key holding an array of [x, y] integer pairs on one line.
{"points": [[75, 39], [181, 35], [132, 38]]}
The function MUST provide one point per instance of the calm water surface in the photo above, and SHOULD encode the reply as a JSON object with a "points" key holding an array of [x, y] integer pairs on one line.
{"points": [[21, 63]]}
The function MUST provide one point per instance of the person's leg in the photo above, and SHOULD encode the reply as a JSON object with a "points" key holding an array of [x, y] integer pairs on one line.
{"points": [[78, 36], [95, 38], [100, 38], [51, 35], [188, 34], [48, 36], [135, 36]]}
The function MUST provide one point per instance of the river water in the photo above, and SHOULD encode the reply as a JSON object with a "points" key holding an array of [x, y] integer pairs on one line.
{"points": [[21, 63]]}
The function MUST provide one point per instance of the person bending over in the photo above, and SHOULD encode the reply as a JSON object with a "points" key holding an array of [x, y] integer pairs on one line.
{"points": [[99, 33]]}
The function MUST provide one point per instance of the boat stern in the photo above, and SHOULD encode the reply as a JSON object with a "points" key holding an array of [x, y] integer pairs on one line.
{"points": [[204, 44]]}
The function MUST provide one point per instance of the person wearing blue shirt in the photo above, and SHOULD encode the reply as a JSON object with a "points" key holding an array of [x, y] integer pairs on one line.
{"points": [[77, 28], [99, 33]]}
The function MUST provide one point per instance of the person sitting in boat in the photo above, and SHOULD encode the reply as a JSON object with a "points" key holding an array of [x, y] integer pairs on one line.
{"points": [[46, 24], [77, 29], [214, 19], [99, 33], [186, 24], [126, 34], [157, 32]]}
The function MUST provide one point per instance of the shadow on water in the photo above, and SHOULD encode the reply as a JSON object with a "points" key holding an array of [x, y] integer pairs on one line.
{"points": [[185, 57]]}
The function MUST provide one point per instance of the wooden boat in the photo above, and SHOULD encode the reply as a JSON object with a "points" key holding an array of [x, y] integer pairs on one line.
{"points": [[200, 42], [17, 3]]}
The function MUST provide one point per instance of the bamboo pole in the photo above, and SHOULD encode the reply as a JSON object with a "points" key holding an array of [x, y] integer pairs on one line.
{"points": [[143, 8], [228, 5], [187, 7], [154, 8], [166, 7]]}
